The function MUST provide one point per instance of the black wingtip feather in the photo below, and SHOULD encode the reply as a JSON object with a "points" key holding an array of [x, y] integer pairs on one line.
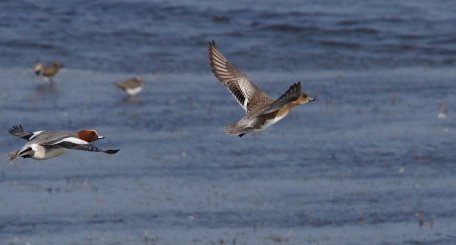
{"points": [[15, 128], [112, 151]]}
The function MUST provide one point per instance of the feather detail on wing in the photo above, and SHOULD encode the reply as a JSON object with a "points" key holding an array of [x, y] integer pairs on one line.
{"points": [[85, 147], [237, 83], [18, 131], [72, 140]]}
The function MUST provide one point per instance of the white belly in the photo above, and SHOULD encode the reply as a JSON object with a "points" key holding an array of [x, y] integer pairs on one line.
{"points": [[133, 91], [272, 121], [441, 115], [42, 153]]}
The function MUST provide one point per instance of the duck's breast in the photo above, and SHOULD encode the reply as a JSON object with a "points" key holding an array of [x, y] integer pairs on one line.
{"points": [[272, 121], [45, 152]]}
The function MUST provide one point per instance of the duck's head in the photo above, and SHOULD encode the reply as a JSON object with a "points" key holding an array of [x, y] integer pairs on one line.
{"points": [[303, 99], [89, 135]]}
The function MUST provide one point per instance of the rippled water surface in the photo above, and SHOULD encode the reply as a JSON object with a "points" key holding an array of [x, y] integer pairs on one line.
{"points": [[171, 36], [369, 162]]}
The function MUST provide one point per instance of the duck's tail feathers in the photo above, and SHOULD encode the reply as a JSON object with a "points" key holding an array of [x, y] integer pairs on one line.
{"points": [[236, 129], [13, 155]]}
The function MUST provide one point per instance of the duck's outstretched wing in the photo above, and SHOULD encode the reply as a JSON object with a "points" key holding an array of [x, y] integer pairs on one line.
{"points": [[85, 147], [245, 92], [18, 131]]}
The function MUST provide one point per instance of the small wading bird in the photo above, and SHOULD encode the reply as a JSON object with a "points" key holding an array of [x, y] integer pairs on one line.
{"points": [[443, 110], [132, 86], [47, 72], [261, 110], [43, 145]]}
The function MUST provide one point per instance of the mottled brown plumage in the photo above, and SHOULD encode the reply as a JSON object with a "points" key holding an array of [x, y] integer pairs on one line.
{"points": [[49, 71]]}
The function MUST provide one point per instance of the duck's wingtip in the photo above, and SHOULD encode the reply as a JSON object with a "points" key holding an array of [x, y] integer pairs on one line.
{"points": [[112, 151], [16, 128]]}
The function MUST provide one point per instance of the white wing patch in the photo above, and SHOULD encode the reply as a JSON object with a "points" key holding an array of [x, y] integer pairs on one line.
{"points": [[246, 102], [73, 140], [34, 134]]}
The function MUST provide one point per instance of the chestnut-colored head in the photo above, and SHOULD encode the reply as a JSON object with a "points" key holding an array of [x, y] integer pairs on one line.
{"points": [[89, 135], [303, 99]]}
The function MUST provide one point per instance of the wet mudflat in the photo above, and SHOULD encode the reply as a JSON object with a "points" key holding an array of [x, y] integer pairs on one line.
{"points": [[368, 162]]}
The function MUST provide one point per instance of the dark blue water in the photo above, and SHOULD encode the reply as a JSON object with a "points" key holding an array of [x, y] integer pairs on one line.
{"points": [[163, 36], [370, 162]]}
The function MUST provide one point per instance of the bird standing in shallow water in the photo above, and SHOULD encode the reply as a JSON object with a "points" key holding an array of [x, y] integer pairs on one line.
{"points": [[47, 72], [261, 110], [132, 86], [443, 111], [43, 145]]}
